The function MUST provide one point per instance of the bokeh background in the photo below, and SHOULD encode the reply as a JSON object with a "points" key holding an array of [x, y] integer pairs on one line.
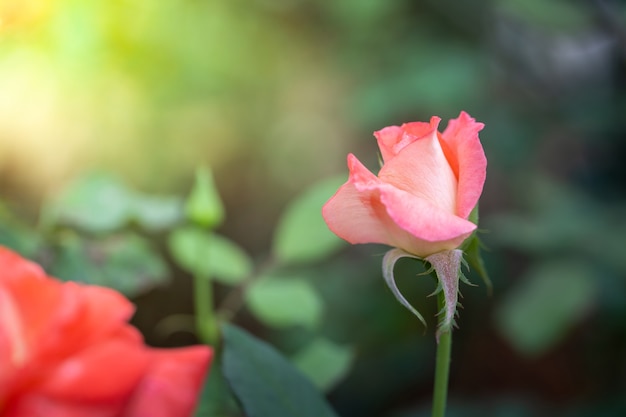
{"points": [[272, 95]]}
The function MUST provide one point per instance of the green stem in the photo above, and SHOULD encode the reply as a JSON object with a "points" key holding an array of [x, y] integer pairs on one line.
{"points": [[206, 321], [442, 368]]}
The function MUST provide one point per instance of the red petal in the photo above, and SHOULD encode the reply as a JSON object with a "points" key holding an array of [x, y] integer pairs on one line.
{"points": [[107, 371], [35, 405], [172, 384]]}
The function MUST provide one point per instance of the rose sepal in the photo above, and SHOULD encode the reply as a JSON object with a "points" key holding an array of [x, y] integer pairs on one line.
{"points": [[389, 261], [447, 268]]}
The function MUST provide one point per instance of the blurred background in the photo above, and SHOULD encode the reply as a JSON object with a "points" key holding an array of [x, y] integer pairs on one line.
{"points": [[104, 103]]}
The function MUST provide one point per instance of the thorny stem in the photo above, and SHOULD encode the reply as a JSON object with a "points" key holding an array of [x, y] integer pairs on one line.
{"points": [[442, 366]]}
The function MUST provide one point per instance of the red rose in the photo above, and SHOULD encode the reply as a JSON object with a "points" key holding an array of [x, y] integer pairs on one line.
{"points": [[67, 350]]}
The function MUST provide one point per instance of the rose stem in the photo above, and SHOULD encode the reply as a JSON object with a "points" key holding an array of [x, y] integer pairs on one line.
{"points": [[206, 324], [442, 366]]}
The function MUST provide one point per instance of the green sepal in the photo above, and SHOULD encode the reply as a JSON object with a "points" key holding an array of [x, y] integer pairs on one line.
{"points": [[471, 247], [447, 265], [475, 261], [473, 216], [389, 261]]}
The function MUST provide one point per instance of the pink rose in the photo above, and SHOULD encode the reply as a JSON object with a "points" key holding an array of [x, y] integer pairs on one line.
{"points": [[422, 197], [67, 350]]}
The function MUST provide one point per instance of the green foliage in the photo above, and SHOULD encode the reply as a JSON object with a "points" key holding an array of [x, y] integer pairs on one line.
{"points": [[549, 301], [99, 203], [550, 15], [125, 262], [301, 234], [216, 398], [210, 255], [14, 234], [156, 213], [560, 219], [95, 203], [204, 205], [284, 302], [324, 362], [436, 79], [264, 382]]}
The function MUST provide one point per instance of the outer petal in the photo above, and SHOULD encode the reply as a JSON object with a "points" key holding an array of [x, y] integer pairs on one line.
{"points": [[29, 303], [12, 344], [109, 371], [423, 170], [366, 210], [89, 314], [392, 139], [467, 159], [35, 405], [15, 268], [172, 384], [429, 229], [358, 216]]}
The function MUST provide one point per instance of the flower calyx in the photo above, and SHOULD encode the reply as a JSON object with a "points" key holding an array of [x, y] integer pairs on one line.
{"points": [[447, 267]]}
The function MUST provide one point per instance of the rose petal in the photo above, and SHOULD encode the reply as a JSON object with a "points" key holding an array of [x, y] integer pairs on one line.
{"points": [[429, 228], [29, 300], [355, 216], [366, 210], [423, 170], [387, 139], [172, 383], [16, 269], [392, 139], [421, 129], [91, 313], [35, 405], [467, 158], [66, 349], [109, 370]]}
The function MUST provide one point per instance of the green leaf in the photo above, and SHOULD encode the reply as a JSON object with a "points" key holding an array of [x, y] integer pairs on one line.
{"points": [[554, 16], [157, 212], [204, 205], [284, 302], [265, 383], [210, 255], [132, 266], [126, 263], [72, 263], [301, 234], [216, 398], [548, 302], [15, 235], [324, 362], [95, 203]]}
